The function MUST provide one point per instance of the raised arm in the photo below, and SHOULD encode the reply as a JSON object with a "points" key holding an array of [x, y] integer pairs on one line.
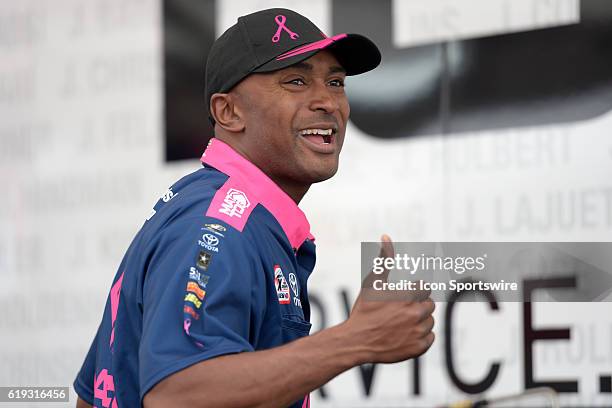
{"points": [[376, 331], [277, 377]]}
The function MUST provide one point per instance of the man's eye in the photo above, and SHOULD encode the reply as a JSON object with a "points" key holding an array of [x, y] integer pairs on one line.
{"points": [[337, 82], [296, 81]]}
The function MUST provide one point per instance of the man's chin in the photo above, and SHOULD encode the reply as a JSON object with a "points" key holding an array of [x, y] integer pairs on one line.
{"points": [[323, 174]]}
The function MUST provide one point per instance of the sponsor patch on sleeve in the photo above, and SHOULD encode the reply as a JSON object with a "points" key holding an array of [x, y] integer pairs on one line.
{"points": [[195, 289], [215, 228], [198, 277], [282, 288], [203, 260], [232, 204], [188, 310], [194, 294], [191, 298]]}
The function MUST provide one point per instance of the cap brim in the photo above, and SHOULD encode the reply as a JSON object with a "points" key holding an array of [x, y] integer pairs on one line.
{"points": [[357, 54]]}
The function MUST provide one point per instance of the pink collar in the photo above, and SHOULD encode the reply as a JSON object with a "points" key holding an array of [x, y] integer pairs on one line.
{"points": [[244, 173]]}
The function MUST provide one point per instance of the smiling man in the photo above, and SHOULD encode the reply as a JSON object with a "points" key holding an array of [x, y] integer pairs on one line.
{"points": [[296, 121], [209, 307]]}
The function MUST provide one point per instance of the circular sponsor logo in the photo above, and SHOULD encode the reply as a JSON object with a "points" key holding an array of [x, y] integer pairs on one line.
{"points": [[210, 239]]}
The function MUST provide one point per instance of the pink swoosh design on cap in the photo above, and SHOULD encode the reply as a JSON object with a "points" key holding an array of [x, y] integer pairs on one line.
{"points": [[317, 45]]}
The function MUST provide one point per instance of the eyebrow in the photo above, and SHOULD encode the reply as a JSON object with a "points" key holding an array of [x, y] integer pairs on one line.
{"points": [[308, 67]]}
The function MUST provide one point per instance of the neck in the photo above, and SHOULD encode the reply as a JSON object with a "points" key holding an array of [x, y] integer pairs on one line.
{"points": [[295, 190]]}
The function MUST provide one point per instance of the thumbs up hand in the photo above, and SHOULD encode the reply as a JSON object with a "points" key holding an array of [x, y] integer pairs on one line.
{"points": [[391, 326]]}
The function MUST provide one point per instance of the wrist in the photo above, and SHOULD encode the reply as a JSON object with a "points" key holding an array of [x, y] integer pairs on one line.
{"points": [[350, 342]]}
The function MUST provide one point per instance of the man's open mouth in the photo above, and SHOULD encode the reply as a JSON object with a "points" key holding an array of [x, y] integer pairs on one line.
{"points": [[318, 136]]}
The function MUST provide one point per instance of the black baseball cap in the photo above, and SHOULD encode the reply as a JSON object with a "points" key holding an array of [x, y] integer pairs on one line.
{"points": [[272, 39]]}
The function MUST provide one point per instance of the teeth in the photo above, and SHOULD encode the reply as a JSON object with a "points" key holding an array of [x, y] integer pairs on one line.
{"points": [[323, 132]]}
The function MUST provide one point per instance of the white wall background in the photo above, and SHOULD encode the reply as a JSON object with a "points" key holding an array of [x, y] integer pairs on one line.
{"points": [[81, 164]]}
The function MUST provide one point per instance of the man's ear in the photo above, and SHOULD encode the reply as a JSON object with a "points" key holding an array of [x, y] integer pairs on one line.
{"points": [[224, 112]]}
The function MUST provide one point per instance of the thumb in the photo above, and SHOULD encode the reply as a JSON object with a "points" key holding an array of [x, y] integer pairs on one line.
{"points": [[386, 251], [386, 247]]}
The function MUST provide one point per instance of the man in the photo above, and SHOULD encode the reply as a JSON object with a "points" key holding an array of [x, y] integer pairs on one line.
{"points": [[210, 304]]}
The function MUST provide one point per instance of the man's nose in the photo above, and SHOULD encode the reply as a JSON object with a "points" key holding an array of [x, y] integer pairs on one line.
{"points": [[323, 99]]}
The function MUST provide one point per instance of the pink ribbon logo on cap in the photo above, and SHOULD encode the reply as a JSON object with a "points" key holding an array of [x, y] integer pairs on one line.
{"points": [[280, 21]]}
